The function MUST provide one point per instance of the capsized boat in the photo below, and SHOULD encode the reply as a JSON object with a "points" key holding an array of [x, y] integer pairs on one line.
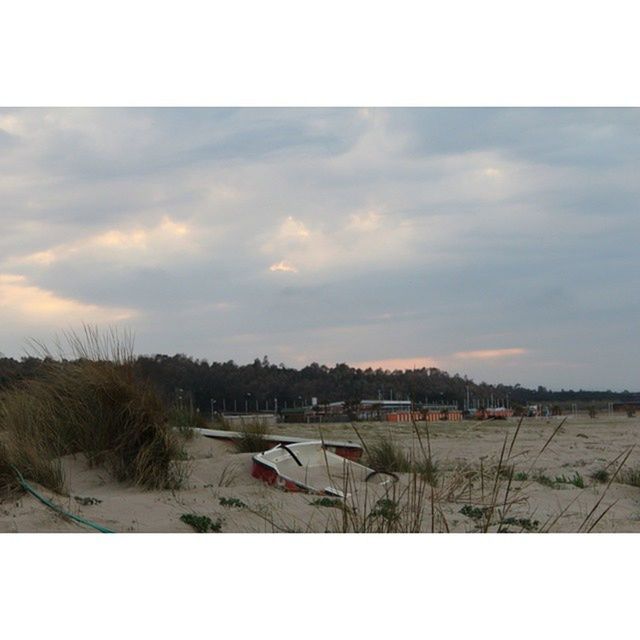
{"points": [[344, 448], [309, 466]]}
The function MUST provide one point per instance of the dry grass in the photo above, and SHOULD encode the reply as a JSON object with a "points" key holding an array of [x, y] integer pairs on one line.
{"points": [[8, 480], [92, 406], [487, 494], [252, 438]]}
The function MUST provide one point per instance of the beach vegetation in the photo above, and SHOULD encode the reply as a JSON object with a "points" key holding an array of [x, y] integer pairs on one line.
{"points": [[202, 524], [93, 404]]}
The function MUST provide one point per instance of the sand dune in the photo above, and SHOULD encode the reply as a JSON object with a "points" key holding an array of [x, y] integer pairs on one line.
{"points": [[582, 446]]}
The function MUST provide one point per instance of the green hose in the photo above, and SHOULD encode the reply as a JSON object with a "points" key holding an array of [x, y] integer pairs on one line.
{"points": [[27, 487]]}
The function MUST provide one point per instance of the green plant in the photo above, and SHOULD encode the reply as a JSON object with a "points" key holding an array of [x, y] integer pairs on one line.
{"points": [[388, 510], [202, 524], [475, 513], [232, 502], [576, 480], [544, 480], [327, 502], [601, 475], [524, 523], [521, 476]]}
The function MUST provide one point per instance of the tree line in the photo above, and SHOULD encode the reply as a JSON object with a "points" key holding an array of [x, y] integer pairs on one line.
{"points": [[262, 385]]}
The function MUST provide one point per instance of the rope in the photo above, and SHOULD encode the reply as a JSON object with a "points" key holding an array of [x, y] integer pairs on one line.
{"points": [[27, 487]]}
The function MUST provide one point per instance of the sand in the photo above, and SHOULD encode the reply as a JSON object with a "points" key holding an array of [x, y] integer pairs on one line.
{"points": [[582, 446]]}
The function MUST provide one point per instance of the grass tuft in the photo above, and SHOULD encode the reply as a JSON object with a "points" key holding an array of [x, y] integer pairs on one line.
{"points": [[385, 456], [544, 480], [576, 480], [252, 438], [601, 475]]}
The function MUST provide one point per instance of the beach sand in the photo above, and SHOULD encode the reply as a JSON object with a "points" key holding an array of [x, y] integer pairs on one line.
{"points": [[582, 446]]}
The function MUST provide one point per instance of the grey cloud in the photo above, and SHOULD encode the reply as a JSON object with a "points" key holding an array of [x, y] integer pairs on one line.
{"points": [[544, 259]]}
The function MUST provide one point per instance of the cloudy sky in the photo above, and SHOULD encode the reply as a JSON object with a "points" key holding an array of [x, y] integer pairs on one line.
{"points": [[498, 243]]}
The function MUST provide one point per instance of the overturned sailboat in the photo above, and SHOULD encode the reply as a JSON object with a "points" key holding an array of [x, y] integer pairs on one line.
{"points": [[310, 467]]}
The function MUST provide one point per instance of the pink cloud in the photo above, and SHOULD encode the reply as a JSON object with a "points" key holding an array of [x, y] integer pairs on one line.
{"points": [[398, 363], [489, 354]]}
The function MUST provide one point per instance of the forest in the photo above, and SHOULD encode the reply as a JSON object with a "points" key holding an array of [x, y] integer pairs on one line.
{"points": [[261, 385]]}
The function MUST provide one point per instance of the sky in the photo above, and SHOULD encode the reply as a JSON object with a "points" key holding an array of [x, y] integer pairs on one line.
{"points": [[501, 244]]}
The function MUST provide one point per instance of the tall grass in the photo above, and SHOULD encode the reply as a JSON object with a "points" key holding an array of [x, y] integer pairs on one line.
{"points": [[93, 406], [252, 437], [486, 496], [386, 456]]}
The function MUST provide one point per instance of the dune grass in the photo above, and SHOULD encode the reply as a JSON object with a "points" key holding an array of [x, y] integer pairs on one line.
{"points": [[491, 501], [252, 438], [386, 456], [94, 407]]}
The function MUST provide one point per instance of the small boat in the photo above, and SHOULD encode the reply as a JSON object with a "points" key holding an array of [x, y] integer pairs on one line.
{"points": [[344, 448], [310, 467]]}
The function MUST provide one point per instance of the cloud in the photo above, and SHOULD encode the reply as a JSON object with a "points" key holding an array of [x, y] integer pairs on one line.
{"points": [[23, 301], [342, 234], [490, 354], [136, 244], [283, 266], [393, 364]]}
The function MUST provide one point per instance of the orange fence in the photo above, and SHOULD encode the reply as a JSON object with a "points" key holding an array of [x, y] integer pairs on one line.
{"points": [[419, 416]]}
